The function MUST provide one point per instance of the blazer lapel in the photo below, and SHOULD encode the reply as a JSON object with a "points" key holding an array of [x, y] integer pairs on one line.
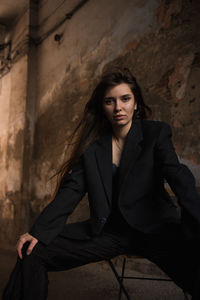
{"points": [[131, 151], [130, 154], [104, 161]]}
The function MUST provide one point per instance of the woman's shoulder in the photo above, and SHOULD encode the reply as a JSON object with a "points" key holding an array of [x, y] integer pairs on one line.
{"points": [[152, 128], [154, 125]]}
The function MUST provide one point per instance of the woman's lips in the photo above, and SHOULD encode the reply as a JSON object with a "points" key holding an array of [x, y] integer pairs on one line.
{"points": [[118, 117]]}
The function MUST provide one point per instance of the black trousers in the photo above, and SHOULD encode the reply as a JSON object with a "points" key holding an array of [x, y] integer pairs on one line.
{"points": [[168, 249]]}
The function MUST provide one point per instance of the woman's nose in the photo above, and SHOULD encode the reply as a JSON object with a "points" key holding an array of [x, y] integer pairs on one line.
{"points": [[117, 105]]}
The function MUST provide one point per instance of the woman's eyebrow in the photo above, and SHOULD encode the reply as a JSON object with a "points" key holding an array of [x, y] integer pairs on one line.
{"points": [[126, 95], [109, 98]]}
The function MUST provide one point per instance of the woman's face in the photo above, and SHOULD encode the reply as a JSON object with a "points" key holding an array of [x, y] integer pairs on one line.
{"points": [[119, 105]]}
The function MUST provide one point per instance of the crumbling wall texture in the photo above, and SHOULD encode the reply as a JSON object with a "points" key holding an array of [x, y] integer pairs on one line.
{"points": [[13, 87], [157, 39]]}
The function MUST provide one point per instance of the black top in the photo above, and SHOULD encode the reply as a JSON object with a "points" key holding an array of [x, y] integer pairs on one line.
{"points": [[116, 221], [115, 177]]}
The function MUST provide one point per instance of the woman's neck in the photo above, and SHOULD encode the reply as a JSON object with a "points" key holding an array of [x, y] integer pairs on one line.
{"points": [[120, 133]]}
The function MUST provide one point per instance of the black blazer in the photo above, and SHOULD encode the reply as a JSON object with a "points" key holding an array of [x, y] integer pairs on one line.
{"points": [[147, 159]]}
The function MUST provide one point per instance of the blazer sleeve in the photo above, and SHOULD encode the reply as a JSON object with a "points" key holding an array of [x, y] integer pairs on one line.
{"points": [[180, 179], [52, 219]]}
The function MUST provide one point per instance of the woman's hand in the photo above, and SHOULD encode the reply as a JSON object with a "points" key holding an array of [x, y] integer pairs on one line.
{"points": [[26, 237]]}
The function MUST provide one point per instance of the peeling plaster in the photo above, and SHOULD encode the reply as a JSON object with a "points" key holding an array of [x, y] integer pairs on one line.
{"points": [[166, 11], [8, 210], [14, 175], [42, 183], [15, 145], [178, 80]]}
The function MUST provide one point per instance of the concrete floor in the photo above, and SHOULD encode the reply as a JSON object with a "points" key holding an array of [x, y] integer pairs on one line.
{"points": [[94, 281]]}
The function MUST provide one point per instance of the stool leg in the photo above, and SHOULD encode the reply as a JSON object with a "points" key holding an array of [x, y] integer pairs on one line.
{"points": [[122, 277], [118, 279]]}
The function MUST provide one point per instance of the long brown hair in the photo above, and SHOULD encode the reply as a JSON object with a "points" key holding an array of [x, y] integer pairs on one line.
{"points": [[93, 122]]}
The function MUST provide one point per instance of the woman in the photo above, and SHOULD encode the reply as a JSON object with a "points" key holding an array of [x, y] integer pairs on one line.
{"points": [[121, 160]]}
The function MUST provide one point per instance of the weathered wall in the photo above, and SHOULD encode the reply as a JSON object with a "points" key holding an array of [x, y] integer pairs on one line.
{"points": [[12, 115], [16, 131], [157, 39]]}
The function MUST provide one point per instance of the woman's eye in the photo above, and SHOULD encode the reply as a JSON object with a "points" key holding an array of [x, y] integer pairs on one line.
{"points": [[108, 101], [126, 98]]}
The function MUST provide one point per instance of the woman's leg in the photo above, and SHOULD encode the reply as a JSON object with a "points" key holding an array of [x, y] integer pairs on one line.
{"points": [[29, 279], [176, 256]]}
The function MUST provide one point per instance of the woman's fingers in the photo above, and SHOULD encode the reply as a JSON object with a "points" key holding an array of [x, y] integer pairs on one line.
{"points": [[31, 246], [22, 240], [20, 244]]}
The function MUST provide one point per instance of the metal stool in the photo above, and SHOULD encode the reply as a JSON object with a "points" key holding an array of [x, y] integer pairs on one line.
{"points": [[121, 277]]}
